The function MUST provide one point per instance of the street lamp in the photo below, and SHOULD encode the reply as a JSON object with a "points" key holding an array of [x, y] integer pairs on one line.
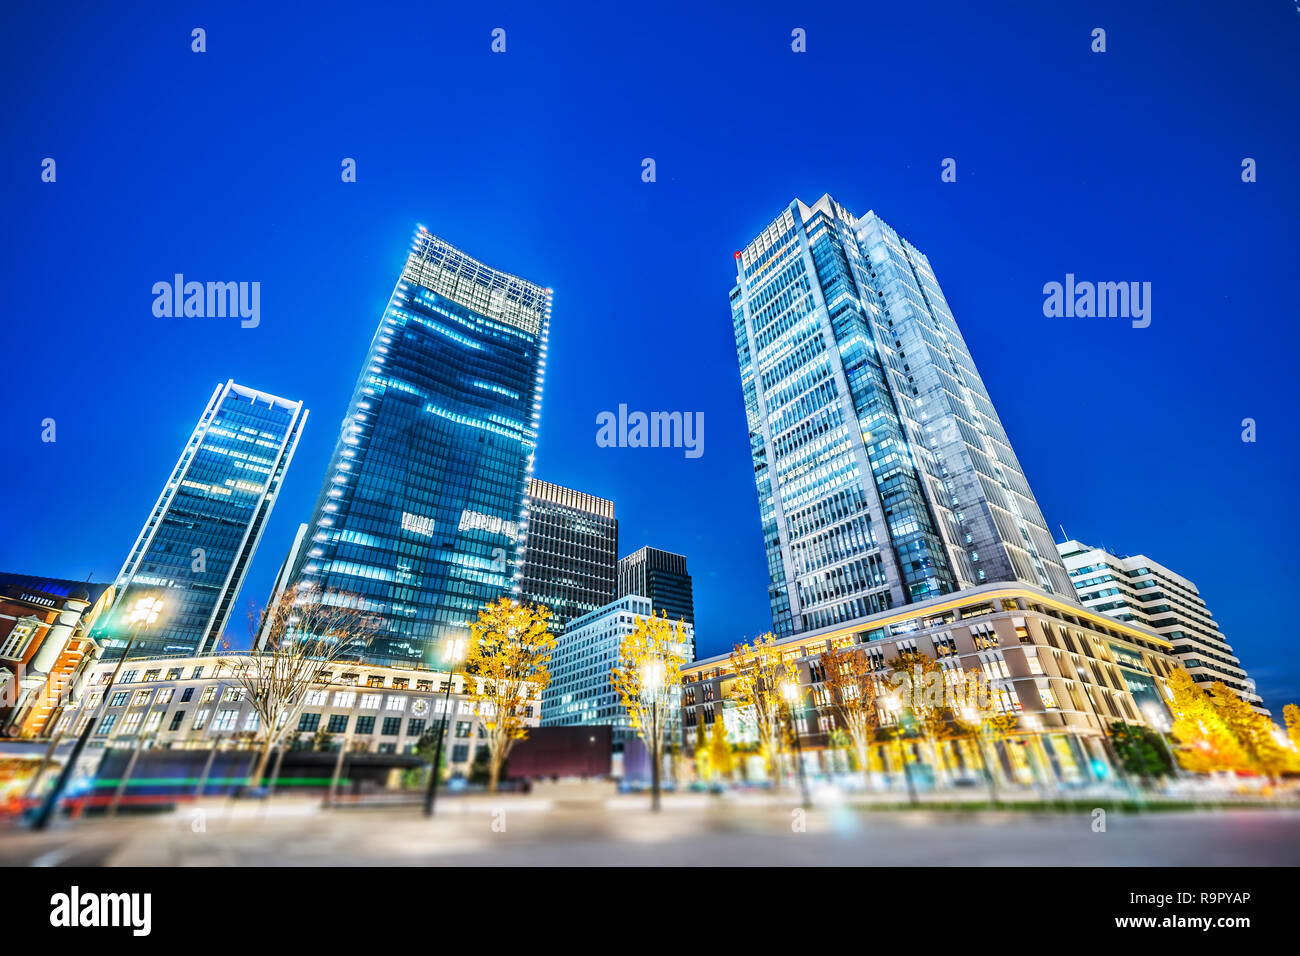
{"points": [[144, 613], [454, 650], [972, 717], [894, 706], [792, 696]]}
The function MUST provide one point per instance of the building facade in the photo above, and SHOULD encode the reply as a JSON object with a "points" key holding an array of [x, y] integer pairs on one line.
{"points": [[570, 551], [884, 475], [197, 703], [662, 577], [1064, 672], [195, 548], [46, 650], [1146, 592], [418, 519], [580, 692]]}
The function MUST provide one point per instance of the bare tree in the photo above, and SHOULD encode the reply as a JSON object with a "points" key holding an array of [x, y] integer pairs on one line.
{"points": [[306, 630], [852, 689]]}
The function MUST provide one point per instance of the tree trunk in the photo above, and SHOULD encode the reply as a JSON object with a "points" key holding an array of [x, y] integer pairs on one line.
{"points": [[275, 773], [255, 778], [656, 760]]}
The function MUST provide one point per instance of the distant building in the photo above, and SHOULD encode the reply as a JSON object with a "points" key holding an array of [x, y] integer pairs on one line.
{"points": [[662, 577], [198, 541], [45, 647], [570, 551], [1148, 593], [580, 692]]}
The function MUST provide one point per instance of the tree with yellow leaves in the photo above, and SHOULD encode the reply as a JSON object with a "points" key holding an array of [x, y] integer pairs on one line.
{"points": [[852, 691], [506, 668], [1208, 744], [1291, 714], [648, 678], [1255, 732], [721, 753], [762, 672]]}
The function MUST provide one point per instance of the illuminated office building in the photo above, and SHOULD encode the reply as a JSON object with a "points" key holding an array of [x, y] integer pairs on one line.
{"points": [[570, 552], [884, 474], [418, 519], [194, 550]]}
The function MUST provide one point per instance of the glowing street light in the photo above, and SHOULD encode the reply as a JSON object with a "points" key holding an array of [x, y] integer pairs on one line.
{"points": [[453, 651], [790, 690], [144, 613]]}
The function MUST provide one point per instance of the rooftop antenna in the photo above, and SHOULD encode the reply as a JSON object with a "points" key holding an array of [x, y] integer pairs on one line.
{"points": [[1064, 536]]}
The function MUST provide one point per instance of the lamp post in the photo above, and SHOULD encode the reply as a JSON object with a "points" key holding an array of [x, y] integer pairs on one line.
{"points": [[143, 613], [895, 706], [792, 697], [976, 720], [455, 648]]}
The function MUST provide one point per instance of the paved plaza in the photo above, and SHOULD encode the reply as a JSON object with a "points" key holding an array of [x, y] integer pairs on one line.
{"points": [[690, 831]]}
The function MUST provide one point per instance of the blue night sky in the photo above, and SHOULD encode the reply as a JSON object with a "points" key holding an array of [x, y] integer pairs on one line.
{"points": [[226, 166]]}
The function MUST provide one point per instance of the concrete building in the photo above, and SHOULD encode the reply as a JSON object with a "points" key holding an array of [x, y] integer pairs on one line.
{"points": [[883, 472], [662, 577], [1146, 592], [1067, 673], [580, 692], [570, 551], [196, 703], [45, 647]]}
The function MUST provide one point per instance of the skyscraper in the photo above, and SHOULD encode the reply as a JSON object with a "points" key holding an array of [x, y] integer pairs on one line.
{"points": [[418, 518], [195, 548], [884, 474], [1146, 592], [570, 551], [660, 576]]}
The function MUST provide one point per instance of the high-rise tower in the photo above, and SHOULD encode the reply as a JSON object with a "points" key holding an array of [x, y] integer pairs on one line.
{"points": [[571, 551], [418, 519], [884, 474], [195, 548], [662, 577]]}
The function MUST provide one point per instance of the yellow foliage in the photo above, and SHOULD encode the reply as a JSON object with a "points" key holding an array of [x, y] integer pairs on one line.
{"points": [[506, 667]]}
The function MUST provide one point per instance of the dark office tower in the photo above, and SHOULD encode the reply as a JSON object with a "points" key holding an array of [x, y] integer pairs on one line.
{"points": [[884, 474], [418, 520], [195, 548], [570, 551], [660, 576]]}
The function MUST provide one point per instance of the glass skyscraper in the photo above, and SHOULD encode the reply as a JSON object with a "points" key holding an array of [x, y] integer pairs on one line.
{"points": [[418, 519], [571, 551], [884, 474], [195, 549]]}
